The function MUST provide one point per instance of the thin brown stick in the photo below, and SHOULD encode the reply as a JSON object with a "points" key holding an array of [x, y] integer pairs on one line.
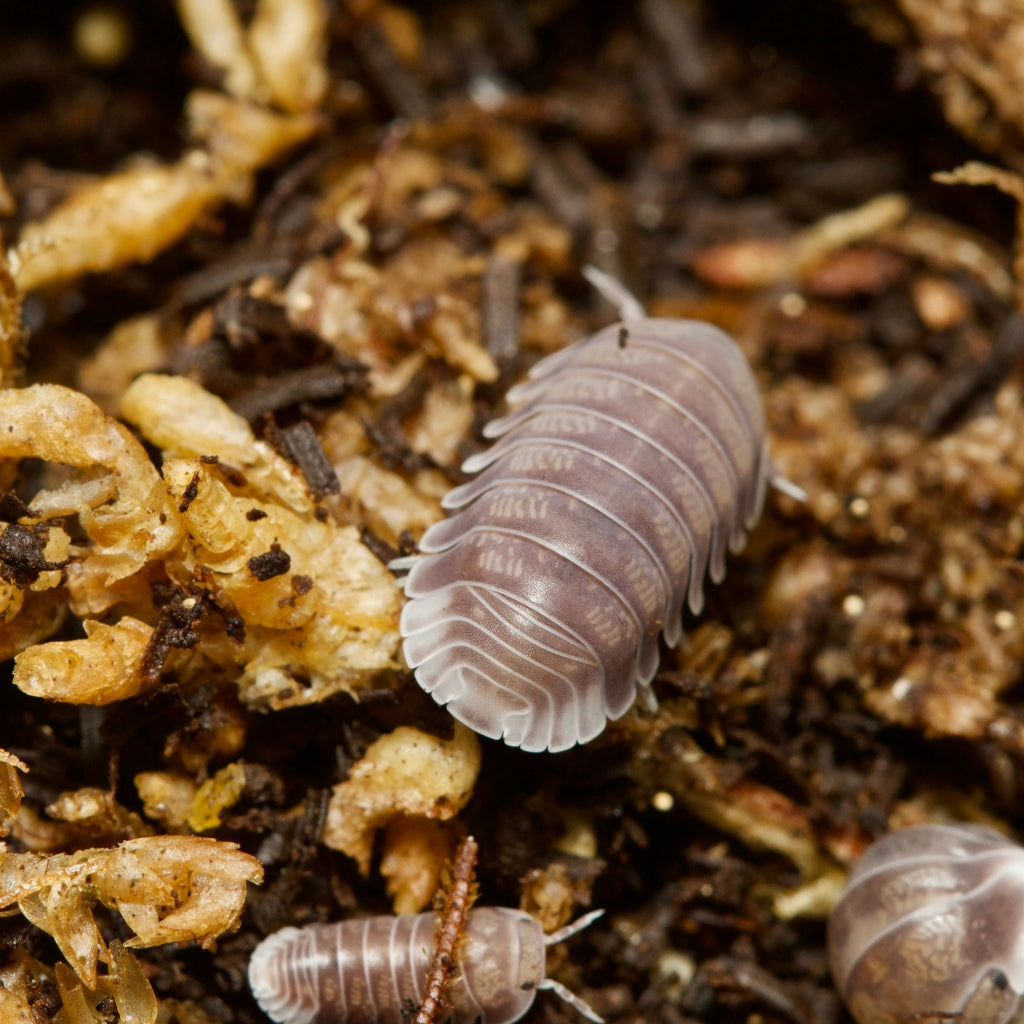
{"points": [[458, 900]]}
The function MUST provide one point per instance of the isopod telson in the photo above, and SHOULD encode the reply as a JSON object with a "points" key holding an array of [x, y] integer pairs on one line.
{"points": [[930, 927], [628, 464], [372, 971]]}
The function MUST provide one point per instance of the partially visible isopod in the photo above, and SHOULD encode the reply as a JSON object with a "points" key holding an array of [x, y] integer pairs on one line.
{"points": [[930, 928], [372, 971], [629, 463]]}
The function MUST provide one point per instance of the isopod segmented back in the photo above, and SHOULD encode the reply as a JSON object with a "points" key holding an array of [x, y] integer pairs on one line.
{"points": [[628, 464], [374, 970], [930, 927]]}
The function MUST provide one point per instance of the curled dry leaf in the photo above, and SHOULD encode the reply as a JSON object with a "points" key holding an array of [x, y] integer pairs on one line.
{"points": [[184, 420], [839, 230], [112, 221], [56, 424], [242, 137], [167, 889], [315, 611], [102, 668], [135, 214], [406, 772]]}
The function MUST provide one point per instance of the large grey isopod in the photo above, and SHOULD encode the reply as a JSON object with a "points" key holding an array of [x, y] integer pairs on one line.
{"points": [[628, 464], [930, 927], [373, 971]]}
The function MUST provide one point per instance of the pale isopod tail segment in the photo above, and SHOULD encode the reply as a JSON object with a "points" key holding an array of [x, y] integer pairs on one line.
{"points": [[557, 987], [612, 290]]}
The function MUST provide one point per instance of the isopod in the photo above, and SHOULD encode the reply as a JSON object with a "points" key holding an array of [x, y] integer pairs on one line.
{"points": [[372, 971], [627, 465], [930, 927]]}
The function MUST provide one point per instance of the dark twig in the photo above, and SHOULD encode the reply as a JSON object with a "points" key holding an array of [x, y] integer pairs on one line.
{"points": [[457, 901]]}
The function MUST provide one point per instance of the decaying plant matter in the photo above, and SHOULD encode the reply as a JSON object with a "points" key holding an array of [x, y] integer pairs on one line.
{"points": [[166, 888], [265, 283]]}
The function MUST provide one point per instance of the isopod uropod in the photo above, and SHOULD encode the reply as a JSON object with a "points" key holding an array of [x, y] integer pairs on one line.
{"points": [[628, 464], [372, 971], [930, 927]]}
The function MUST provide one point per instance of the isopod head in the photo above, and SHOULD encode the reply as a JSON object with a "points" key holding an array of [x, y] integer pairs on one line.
{"points": [[930, 927]]}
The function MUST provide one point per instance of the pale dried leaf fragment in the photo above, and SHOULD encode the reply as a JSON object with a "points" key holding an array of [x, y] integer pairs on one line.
{"points": [[167, 889], [94, 816], [325, 620], [386, 502], [328, 619], [1010, 183], [10, 789], [406, 772], [20, 978], [136, 345], [15, 1007], [217, 33], [35, 617], [184, 420], [177, 888], [414, 854], [125, 217], [970, 55], [126, 984], [241, 137], [839, 230], [102, 668], [288, 39], [56, 424], [166, 797], [135, 214]]}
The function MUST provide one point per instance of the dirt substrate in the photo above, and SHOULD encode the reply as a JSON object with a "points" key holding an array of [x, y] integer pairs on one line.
{"points": [[270, 277]]}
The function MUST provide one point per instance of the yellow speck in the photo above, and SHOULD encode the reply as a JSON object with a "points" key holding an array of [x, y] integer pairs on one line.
{"points": [[859, 507], [102, 36], [1005, 619], [663, 801], [215, 796], [793, 304], [853, 605]]}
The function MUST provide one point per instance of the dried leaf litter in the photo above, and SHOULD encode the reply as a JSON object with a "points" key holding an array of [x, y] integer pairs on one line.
{"points": [[266, 310]]}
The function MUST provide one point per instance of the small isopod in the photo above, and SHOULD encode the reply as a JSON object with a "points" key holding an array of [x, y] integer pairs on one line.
{"points": [[930, 928], [372, 971], [629, 463]]}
